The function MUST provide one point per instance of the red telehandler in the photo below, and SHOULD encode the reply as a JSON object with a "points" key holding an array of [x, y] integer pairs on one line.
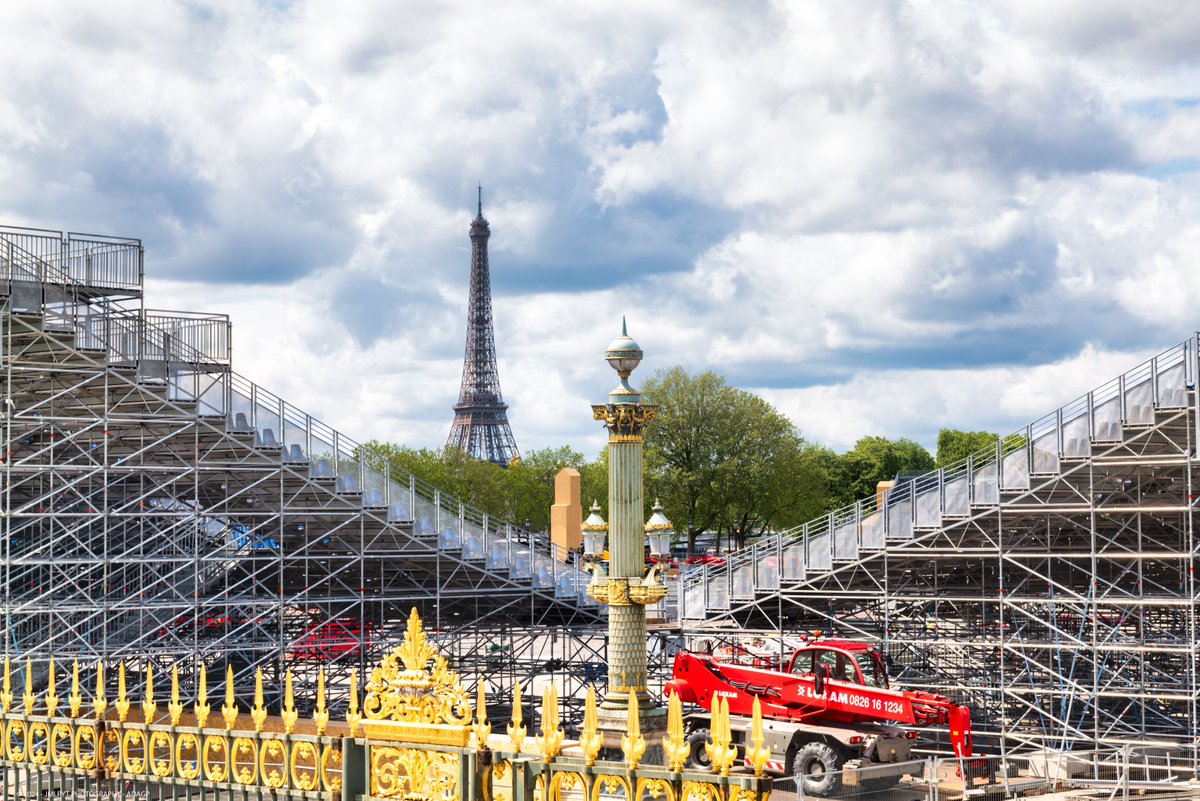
{"points": [[829, 718]]}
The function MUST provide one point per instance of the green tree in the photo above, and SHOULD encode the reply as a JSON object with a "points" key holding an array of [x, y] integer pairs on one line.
{"points": [[954, 445], [856, 473], [724, 460]]}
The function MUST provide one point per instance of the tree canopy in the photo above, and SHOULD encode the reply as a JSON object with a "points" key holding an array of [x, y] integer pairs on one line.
{"points": [[954, 445], [724, 460]]}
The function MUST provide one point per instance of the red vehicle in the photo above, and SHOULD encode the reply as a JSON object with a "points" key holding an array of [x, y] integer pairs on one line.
{"points": [[333, 639], [833, 716]]}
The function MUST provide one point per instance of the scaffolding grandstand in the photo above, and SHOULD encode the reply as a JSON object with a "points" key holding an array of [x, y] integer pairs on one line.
{"points": [[1048, 582], [161, 509]]}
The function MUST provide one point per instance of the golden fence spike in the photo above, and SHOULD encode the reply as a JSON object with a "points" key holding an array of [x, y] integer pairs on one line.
{"points": [[149, 708], [258, 712], [353, 718], [756, 754], [100, 703], [591, 740], [516, 729], [122, 704], [75, 697], [174, 707], [721, 750], [675, 747], [6, 695], [551, 739], [201, 709], [320, 714], [632, 742], [289, 713], [28, 699], [481, 728], [51, 696], [229, 711]]}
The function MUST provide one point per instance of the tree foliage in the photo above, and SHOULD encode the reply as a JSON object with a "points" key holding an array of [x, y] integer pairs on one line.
{"points": [[524, 491], [954, 445], [724, 460], [856, 473]]}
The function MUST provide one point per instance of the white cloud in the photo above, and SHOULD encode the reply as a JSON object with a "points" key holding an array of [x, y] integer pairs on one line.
{"points": [[888, 217]]}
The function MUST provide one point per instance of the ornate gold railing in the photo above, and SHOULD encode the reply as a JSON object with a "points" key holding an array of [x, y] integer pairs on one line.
{"points": [[416, 736]]}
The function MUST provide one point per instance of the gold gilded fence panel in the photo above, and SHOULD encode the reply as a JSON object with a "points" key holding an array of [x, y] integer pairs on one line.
{"points": [[415, 737]]}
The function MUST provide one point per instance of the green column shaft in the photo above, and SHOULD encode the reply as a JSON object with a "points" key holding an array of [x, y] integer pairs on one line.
{"points": [[626, 624]]}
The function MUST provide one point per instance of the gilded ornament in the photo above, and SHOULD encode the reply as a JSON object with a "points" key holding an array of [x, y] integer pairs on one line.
{"points": [[201, 709], [720, 749], [516, 729], [632, 743], [229, 711], [6, 695], [414, 774], [174, 706], [74, 698], [187, 752], [675, 747], [51, 697], [133, 743], [591, 740], [258, 712], [149, 708], [289, 713], [482, 728], [320, 714], [29, 698], [122, 705], [424, 701], [550, 741], [353, 717], [99, 703], [756, 754]]}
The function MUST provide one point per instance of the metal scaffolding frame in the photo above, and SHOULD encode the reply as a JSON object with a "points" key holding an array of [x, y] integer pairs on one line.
{"points": [[1049, 583], [159, 508]]}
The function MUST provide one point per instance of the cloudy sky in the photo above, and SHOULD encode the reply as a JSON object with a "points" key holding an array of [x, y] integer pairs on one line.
{"points": [[884, 217]]}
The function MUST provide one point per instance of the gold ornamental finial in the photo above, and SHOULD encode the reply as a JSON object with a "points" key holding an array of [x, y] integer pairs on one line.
{"points": [[353, 718], [320, 714], [289, 713], [100, 703], [721, 752], [75, 697], [756, 754], [415, 651], [6, 695], [550, 741], [482, 728], [174, 707], [149, 708], [590, 741], [51, 697], [29, 698], [516, 729], [201, 709], [229, 711], [258, 712], [675, 747], [122, 705], [632, 742]]}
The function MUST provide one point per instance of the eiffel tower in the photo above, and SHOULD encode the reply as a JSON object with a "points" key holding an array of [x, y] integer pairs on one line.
{"points": [[480, 421]]}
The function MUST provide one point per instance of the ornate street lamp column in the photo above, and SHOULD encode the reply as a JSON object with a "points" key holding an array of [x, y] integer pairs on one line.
{"points": [[624, 589]]}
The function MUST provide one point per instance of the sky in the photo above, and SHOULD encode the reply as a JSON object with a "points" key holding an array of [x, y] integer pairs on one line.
{"points": [[885, 218]]}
